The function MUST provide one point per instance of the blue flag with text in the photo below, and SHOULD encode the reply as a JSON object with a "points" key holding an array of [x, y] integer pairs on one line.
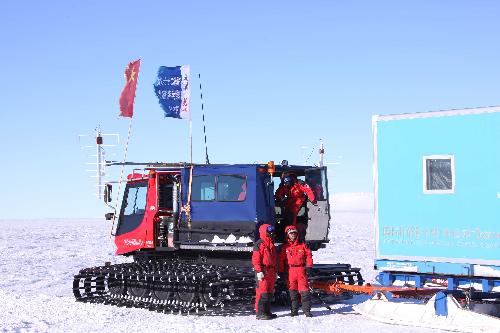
{"points": [[172, 88]]}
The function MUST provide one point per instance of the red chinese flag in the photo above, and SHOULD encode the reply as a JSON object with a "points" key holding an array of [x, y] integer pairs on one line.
{"points": [[128, 94]]}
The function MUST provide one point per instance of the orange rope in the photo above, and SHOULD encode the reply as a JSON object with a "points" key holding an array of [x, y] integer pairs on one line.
{"points": [[337, 287]]}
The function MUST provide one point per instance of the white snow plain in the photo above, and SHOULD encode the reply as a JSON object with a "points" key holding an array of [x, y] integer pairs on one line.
{"points": [[40, 257]]}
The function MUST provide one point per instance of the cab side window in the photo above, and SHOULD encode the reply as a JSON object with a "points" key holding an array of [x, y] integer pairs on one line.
{"points": [[316, 179], [231, 187], [203, 188], [219, 188]]}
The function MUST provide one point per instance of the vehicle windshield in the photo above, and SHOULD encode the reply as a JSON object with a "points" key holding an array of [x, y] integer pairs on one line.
{"points": [[133, 207]]}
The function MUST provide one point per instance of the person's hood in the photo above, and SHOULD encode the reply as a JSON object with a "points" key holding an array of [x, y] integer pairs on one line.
{"points": [[263, 232], [291, 227]]}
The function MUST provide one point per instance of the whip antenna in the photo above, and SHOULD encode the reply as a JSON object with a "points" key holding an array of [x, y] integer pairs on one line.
{"points": [[207, 161]]}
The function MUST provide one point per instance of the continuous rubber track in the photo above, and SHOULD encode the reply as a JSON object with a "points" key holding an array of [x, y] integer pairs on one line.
{"points": [[167, 286], [173, 286]]}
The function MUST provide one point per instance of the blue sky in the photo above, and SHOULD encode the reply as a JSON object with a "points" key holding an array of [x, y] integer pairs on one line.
{"points": [[276, 76]]}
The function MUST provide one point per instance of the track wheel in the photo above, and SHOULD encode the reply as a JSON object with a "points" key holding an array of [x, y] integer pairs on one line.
{"points": [[211, 295], [161, 293], [137, 289], [186, 294], [116, 286]]}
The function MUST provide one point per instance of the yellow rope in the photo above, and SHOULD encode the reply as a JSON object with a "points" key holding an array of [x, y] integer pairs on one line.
{"points": [[187, 207]]}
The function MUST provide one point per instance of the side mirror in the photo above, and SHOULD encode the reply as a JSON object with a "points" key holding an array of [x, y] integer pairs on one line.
{"points": [[108, 190], [109, 216]]}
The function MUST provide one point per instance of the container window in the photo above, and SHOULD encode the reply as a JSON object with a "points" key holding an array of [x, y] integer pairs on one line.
{"points": [[439, 174]]}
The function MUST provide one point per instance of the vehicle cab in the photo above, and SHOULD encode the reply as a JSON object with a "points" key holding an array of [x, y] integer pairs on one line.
{"points": [[210, 209]]}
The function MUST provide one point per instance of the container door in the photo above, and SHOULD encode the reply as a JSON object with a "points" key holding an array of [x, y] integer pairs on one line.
{"points": [[319, 215]]}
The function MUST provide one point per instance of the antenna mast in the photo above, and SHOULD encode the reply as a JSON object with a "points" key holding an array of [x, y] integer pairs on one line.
{"points": [[321, 153], [100, 169], [100, 162]]}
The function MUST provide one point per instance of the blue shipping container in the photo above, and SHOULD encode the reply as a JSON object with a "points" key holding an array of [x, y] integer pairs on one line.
{"points": [[437, 192]]}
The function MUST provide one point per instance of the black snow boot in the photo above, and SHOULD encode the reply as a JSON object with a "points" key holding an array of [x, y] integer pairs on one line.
{"points": [[294, 302], [267, 307], [261, 307], [306, 303]]}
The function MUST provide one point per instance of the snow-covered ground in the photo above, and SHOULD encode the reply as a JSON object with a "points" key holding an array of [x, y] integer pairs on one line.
{"points": [[40, 257]]}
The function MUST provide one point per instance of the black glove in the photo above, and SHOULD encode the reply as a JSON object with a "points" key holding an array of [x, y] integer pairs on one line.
{"points": [[309, 272]]}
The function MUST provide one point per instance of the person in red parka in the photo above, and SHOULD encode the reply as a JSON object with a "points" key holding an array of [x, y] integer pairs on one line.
{"points": [[291, 194], [295, 263], [265, 260]]}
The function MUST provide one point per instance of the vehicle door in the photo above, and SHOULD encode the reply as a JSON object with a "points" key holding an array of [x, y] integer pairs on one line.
{"points": [[318, 216]]}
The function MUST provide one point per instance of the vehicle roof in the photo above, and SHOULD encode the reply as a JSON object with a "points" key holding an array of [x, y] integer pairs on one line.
{"points": [[298, 169]]}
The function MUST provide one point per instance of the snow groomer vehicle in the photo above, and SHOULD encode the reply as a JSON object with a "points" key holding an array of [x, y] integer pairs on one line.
{"points": [[190, 229]]}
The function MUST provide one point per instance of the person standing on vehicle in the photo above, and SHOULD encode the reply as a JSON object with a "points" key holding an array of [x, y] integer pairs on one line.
{"points": [[264, 260], [292, 194], [295, 265]]}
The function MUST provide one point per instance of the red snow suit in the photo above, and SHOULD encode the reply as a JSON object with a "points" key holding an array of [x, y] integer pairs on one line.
{"points": [[293, 260], [264, 259], [295, 197]]}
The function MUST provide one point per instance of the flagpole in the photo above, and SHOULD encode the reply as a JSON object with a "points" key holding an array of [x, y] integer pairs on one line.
{"points": [[121, 177], [126, 110], [190, 139]]}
